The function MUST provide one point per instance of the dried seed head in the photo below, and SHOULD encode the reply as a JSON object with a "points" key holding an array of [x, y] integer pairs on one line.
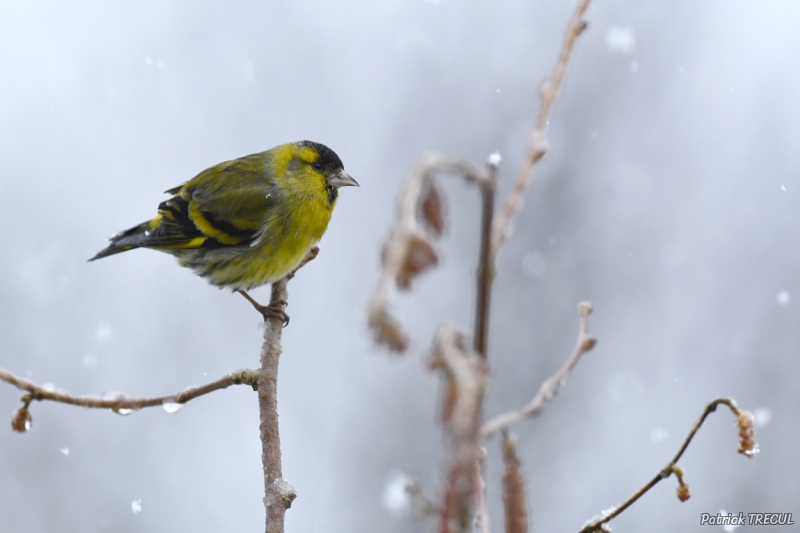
{"points": [[747, 433], [683, 492], [22, 419], [419, 256], [387, 330], [432, 209]]}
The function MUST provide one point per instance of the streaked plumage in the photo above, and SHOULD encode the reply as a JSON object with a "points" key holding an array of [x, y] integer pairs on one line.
{"points": [[246, 222]]}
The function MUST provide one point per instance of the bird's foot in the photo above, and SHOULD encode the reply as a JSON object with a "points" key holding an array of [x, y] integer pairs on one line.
{"points": [[275, 309]]}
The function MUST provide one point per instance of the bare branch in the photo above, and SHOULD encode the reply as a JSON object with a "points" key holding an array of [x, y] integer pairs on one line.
{"points": [[278, 493], [551, 386], [485, 273], [537, 142], [409, 250], [747, 447], [465, 376], [121, 402]]}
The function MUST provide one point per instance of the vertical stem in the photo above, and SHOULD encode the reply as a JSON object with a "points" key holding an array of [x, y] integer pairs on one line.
{"points": [[485, 273], [278, 494]]}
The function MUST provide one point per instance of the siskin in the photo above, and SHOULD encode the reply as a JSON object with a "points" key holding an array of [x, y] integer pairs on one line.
{"points": [[247, 222]]}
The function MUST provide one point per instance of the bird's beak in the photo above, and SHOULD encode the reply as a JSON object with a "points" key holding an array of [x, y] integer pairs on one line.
{"points": [[342, 179]]}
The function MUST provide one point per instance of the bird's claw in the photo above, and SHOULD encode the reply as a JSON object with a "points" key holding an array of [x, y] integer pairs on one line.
{"points": [[275, 310]]}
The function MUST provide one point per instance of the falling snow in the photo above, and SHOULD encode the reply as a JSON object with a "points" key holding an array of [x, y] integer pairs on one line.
{"points": [[783, 298], [620, 40], [395, 497]]}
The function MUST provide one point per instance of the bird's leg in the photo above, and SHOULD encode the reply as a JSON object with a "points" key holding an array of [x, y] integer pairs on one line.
{"points": [[275, 308]]}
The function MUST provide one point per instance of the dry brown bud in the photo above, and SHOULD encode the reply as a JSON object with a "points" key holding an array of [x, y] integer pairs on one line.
{"points": [[387, 330], [21, 422], [419, 256], [588, 343], [432, 208], [683, 492], [585, 308], [514, 499], [747, 433]]}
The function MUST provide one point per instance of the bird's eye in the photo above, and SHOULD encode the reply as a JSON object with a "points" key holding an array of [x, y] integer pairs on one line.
{"points": [[317, 166]]}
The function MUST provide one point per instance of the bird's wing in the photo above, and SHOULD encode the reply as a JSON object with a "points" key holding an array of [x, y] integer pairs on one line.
{"points": [[224, 205]]}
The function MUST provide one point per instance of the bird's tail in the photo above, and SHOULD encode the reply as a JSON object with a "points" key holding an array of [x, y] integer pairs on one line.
{"points": [[123, 241]]}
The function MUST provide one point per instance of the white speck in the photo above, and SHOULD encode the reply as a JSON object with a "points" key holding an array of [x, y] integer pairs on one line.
{"points": [[620, 39], [498, 90], [495, 159], [659, 434], [148, 60], [594, 134], [136, 506], [123, 411], [783, 298], [104, 332], [49, 387], [762, 415], [634, 66], [27, 424], [783, 188], [89, 360], [64, 451], [534, 264], [269, 195], [146, 233], [395, 497], [172, 407], [205, 374]]}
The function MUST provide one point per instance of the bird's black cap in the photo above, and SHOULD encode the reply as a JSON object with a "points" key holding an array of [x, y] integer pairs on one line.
{"points": [[327, 157]]}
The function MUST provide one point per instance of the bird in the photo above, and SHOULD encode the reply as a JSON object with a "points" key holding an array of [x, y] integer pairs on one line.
{"points": [[246, 222]]}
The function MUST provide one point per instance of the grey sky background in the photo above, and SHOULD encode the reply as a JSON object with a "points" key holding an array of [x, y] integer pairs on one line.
{"points": [[669, 199]]}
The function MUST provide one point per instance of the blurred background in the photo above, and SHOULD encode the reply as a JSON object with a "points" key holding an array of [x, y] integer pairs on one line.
{"points": [[669, 199]]}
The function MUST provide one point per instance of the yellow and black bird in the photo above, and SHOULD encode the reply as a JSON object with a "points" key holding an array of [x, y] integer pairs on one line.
{"points": [[246, 222]]}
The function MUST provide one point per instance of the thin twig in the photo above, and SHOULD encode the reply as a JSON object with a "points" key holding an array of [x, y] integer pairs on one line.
{"points": [[310, 256], [551, 386], [485, 273], [537, 142], [465, 375], [408, 250], [744, 420], [278, 493], [120, 401]]}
